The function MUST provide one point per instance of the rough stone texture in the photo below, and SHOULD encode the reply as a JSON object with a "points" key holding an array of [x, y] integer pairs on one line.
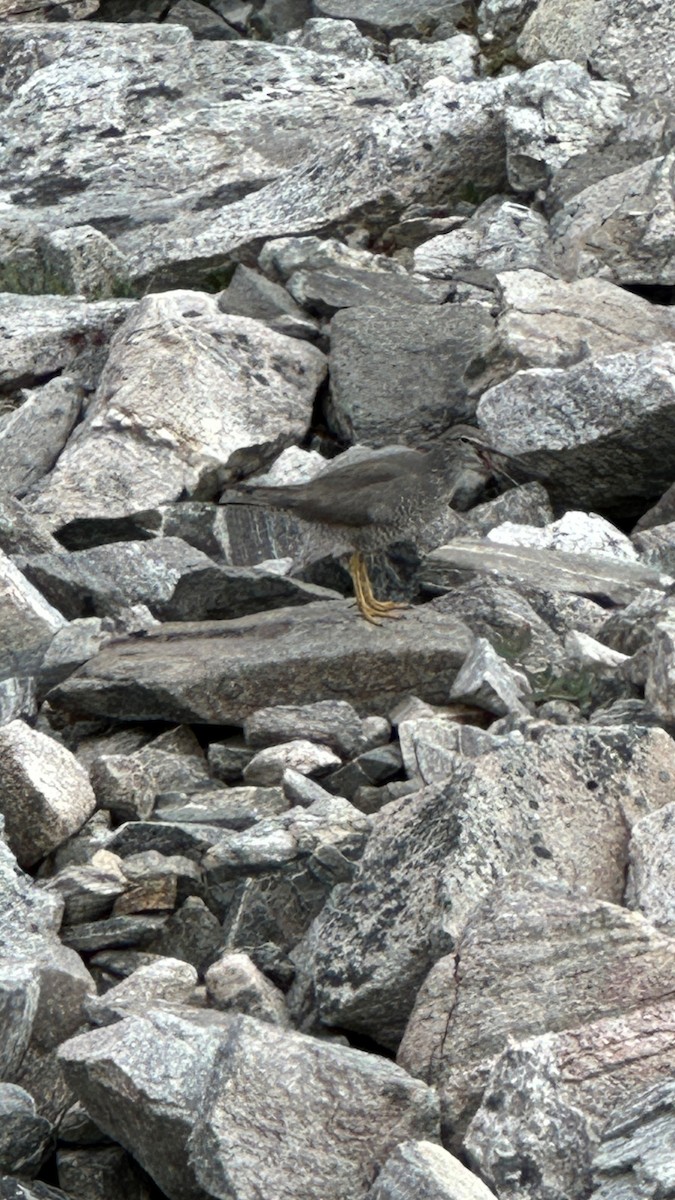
{"points": [[161, 1061], [501, 236], [214, 672], [233, 982], [391, 18], [106, 1172], [423, 1171], [575, 533], [545, 322], [534, 957], [161, 983], [636, 1155], [650, 885], [336, 1091], [333, 723], [25, 1136], [27, 622], [621, 227], [553, 113], [267, 766], [45, 795], [620, 39], [660, 673], [162, 423], [48, 334], [433, 857], [536, 1136], [405, 367], [577, 423], [34, 436], [489, 682]]}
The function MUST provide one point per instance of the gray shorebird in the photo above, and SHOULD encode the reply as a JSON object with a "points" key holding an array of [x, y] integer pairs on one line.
{"points": [[383, 498]]}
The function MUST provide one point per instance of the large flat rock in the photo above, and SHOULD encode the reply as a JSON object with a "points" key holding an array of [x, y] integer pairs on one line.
{"points": [[219, 672]]}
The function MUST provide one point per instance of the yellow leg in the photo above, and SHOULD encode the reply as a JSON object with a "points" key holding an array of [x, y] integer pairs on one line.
{"points": [[369, 607]]}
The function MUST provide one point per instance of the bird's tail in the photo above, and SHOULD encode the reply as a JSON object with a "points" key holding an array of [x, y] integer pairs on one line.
{"points": [[257, 496]]}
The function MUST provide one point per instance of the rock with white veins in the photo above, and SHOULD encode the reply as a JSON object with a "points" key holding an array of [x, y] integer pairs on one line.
{"points": [[45, 794], [187, 392]]}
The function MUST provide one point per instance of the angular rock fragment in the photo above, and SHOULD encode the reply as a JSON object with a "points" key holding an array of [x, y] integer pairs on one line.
{"points": [[334, 723], [160, 984], [233, 982], [142, 442], [650, 886], [637, 1148], [557, 805], [336, 1092], [27, 622], [35, 434], [536, 957], [45, 795], [424, 1171], [267, 766], [25, 1136]]}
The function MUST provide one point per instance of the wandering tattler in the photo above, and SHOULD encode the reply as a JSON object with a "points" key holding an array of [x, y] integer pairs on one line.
{"points": [[387, 497]]}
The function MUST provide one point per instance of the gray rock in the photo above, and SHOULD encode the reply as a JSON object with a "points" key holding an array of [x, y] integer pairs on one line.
{"points": [[324, 293], [328, 36], [233, 982], [535, 957], [409, 367], [546, 322], [35, 434], [549, 1098], [192, 934], [250, 294], [489, 682], [433, 857], [553, 112], [27, 622], [637, 1150], [574, 532], [17, 698], [228, 808], [254, 397], [334, 723], [619, 39], [299, 789], [550, 570], [90, 936], [424, 1171], [160, 1063], [657, 547], [231, 675], [164, 982], [88, 891], [500, 236], [81, 261], [45, 335], [394, 18], [20, 533], [45, 795], [649, 887], [267, 766], [334, 1087], [659, 692], [455, 58], [620, 226], [43, 984], [372, 767], [227, 759], [123, 786], [25, 1136], [201, 21]]}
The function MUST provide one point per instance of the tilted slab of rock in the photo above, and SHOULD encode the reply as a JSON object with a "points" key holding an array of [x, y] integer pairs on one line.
{"points": [[343, 1115], [619, 39], [32, 438], [186, 391], [27, 622], [535, 957], [394, 18], [139, 157], [545, 322], [559, 806], [501, 236], [220, 672], [182, 1070], [551, 570], [621, 226], [44, 335], [549, 1099], [175, 580], [637, 1151], [426, 151], [45, 794]]}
